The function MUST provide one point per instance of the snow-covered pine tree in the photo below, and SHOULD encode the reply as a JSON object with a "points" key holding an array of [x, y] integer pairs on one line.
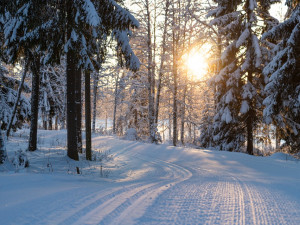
{"points": [[25, 35], [240, 82], [86, 21], [283, 73], [8, 94], [56, 27], [227, 129]]}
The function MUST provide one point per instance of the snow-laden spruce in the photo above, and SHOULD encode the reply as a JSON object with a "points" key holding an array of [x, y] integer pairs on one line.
{"points": [[239, 83], [283, 74], [79, 30], [8, 96]]}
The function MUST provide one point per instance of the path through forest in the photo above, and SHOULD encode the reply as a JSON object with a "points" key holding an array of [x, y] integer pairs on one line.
{"points": [[159, 184]]}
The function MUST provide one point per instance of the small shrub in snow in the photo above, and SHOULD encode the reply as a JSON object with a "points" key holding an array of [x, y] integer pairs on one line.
{"points": [[131, 135], [101, 156], [20, 160], [103, 172]]}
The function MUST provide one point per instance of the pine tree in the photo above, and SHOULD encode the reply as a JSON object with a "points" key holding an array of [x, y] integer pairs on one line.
{"points": [[60, 27], [283, 87], [240, 82], [23, 31], [227, 135], [87, 21], [8, 94]]}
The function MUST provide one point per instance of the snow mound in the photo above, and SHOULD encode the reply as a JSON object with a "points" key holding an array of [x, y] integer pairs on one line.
{"points": [[283, 156]]}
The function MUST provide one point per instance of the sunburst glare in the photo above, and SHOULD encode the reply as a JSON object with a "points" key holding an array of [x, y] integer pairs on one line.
{"points": [[196, 64]]}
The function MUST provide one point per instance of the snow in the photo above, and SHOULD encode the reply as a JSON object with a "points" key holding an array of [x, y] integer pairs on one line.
{"points": [[257, 51], [242, 39], [229, 97], [226, 116], [148, 184], [91, 14], [283, 156], [252, 5], [244, 107]]}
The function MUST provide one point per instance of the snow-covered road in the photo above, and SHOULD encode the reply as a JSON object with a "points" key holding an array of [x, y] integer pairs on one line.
{"points": [[159, 184]]}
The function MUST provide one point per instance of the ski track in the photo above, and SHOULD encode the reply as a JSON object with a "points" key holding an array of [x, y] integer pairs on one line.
{"points": [[116, 210], [177, 192], [220, 200]]}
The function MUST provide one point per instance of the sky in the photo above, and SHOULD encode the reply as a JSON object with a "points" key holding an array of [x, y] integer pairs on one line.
{"points": [[278, 10]]}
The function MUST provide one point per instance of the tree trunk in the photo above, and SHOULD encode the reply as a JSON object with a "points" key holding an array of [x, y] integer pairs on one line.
{"points": [[72, 72], [3, 154], [170, 127], [151, 119], [71, 106], [250, 134], [115, 104], [175, 103], [50, 122], [95, 101], [44, 121], [56, 123], [17, 101], [35, 69], [88, 135], [277, 138], [250, 121], [163, 52], [183, 116], [78, 110], [175, 48]]}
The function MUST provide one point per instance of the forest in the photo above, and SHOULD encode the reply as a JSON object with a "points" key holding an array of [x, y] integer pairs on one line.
{"points": [[213, 74]]}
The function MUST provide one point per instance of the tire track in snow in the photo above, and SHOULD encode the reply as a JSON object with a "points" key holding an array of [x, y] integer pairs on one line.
{"points": [[115, 207]]}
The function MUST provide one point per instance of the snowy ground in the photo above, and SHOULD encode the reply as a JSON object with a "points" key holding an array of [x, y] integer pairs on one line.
{"points": [[147, 184]]}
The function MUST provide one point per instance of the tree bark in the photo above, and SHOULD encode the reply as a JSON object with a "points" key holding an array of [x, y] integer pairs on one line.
{"points": [[251, 112], [71, 106], [250, 121], [277, 138], [183, 116], [44, 121], [170, 127], [175, 48], [35, 69], [78, 110], [3, 154], [71, 98], [50, 122], [88, 135], [96, 76], [175, 99], [115, 104], [56, 123]]}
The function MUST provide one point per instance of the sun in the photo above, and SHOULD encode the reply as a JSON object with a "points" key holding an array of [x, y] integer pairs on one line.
{"points": [[197, 65]]}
